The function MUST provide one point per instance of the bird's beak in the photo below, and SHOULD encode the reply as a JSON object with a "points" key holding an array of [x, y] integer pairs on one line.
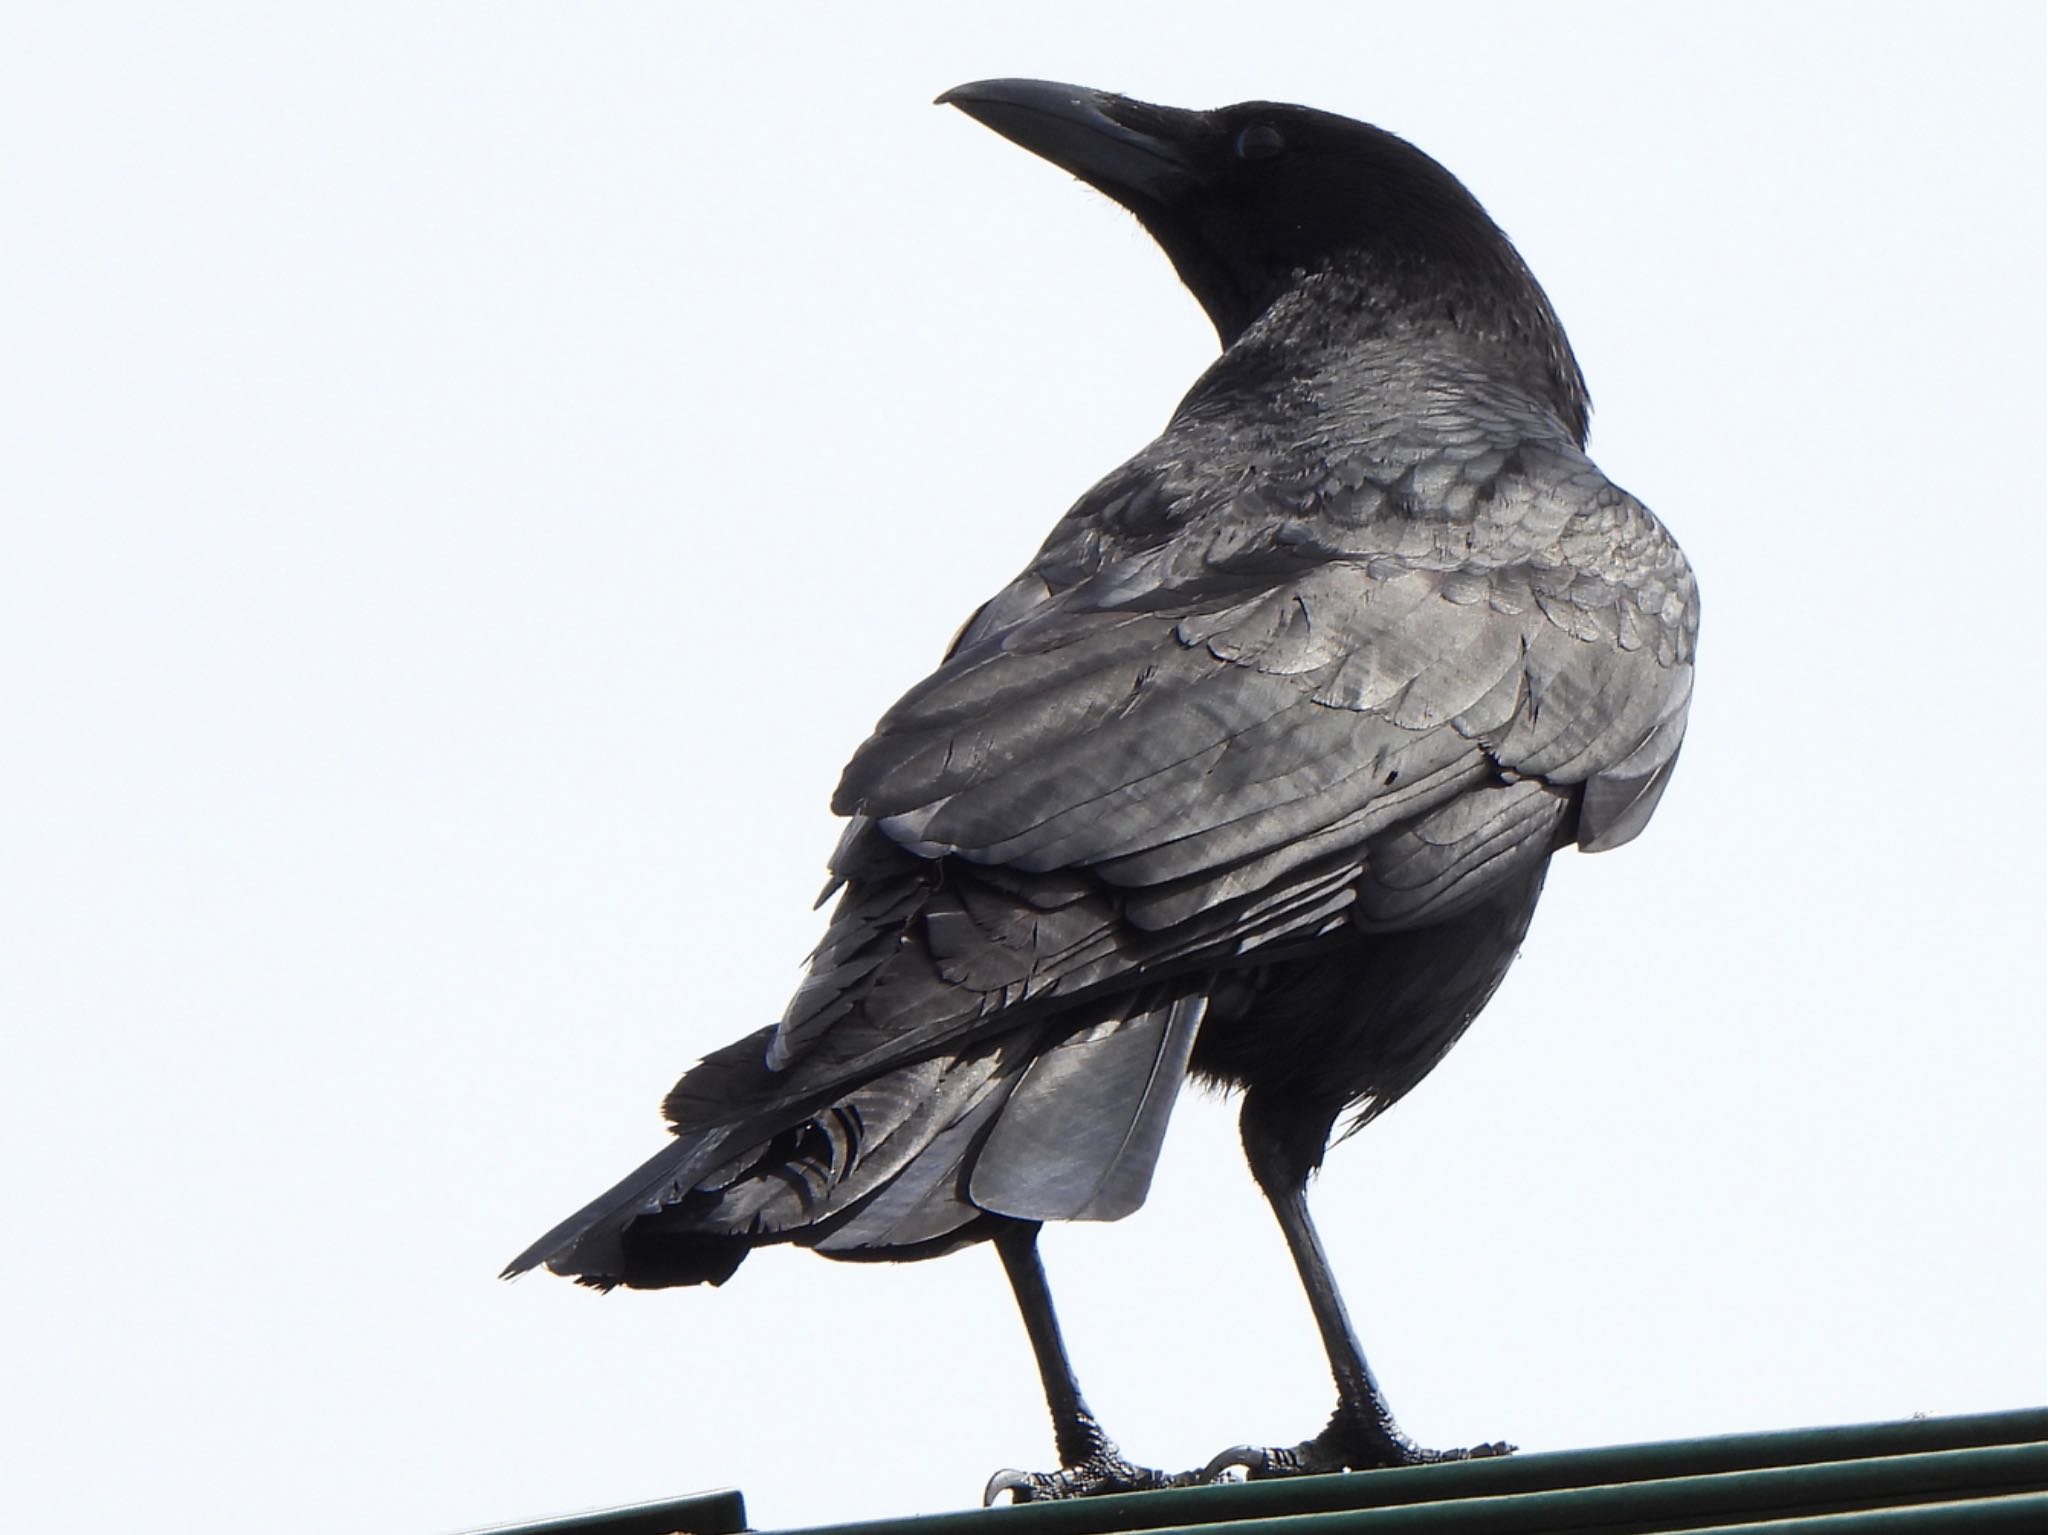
{"points": [[1132, 151]]}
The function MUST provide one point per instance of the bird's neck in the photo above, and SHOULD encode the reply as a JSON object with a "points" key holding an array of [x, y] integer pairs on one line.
{"points": [[1382, 338]]}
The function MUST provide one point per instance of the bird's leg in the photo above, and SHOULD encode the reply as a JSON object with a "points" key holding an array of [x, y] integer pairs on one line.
{"points": [[1361, 1433], [1089, 1460]]}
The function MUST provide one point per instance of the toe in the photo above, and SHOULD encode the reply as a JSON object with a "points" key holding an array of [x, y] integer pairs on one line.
{"points": [[1098, 1475], [1343, 1446], [1022, 1486], [1253, 1461]]}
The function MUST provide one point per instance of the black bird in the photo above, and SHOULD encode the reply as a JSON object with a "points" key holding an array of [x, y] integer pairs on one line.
{"points": [[1254, 773]]}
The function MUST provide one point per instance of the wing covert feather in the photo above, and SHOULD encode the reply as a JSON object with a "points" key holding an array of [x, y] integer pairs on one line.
{"points": [[1186, 750]]}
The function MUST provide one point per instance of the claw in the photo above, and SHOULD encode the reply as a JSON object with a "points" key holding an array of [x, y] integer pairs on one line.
{"points": [[1259, 1462], [1252, 1460], [1019, 1484], [1105, 1472], [1339, 1449]]}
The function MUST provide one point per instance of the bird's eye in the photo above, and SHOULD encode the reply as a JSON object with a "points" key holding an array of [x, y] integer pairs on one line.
{"points": [[1258, 141]]}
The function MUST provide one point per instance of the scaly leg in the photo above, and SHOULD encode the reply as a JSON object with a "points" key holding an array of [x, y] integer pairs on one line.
{"points": [[1362, 1433], [1090, 1462]]}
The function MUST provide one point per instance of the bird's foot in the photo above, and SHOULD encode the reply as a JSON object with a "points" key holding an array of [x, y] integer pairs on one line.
{"points": [[1104, 1470], [1352, 1442]]}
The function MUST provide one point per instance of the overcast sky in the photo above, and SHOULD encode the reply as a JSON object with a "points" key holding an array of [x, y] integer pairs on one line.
{"points": [[472, 473]]}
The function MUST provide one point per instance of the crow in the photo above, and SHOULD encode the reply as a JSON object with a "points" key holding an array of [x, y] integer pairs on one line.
{"points": [[1253, 775]]}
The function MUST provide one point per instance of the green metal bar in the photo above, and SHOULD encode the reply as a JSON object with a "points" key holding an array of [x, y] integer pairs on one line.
{"points": [[1179, 1507], [1737, 1497], [1974, 1475], [2026, 1514], [702, 1513]]}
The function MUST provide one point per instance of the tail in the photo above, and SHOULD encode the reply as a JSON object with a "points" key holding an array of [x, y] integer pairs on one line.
{"points": [[1060, 1119], [590, 1245]]}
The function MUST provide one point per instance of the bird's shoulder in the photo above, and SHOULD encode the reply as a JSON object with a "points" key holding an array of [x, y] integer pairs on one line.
{"points": [[1221, 711], [1191, 649]]}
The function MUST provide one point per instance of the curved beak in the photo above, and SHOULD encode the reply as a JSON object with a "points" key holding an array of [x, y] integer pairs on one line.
{"points": [[1129, 150]]}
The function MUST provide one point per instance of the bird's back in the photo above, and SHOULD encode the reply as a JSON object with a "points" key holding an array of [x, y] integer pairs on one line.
{"points": [[1278, 730]]}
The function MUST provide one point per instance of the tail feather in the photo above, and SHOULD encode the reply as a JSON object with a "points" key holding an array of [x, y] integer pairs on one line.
{"points": [[852, 1147], [1081, 1134], [926, 1202], [1032, 1124], [589, 1244]]}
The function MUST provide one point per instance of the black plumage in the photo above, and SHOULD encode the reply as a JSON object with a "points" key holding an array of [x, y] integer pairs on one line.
{"points": [[1253, 773]]}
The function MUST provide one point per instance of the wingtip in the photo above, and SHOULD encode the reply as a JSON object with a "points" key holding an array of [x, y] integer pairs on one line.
{"points": [[525, 1263]]}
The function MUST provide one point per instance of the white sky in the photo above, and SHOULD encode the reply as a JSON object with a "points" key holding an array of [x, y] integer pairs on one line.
{"points": [[471, 473]]}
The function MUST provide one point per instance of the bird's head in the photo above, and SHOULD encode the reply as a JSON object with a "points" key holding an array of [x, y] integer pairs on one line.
{"points": [[1244, 199]]}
